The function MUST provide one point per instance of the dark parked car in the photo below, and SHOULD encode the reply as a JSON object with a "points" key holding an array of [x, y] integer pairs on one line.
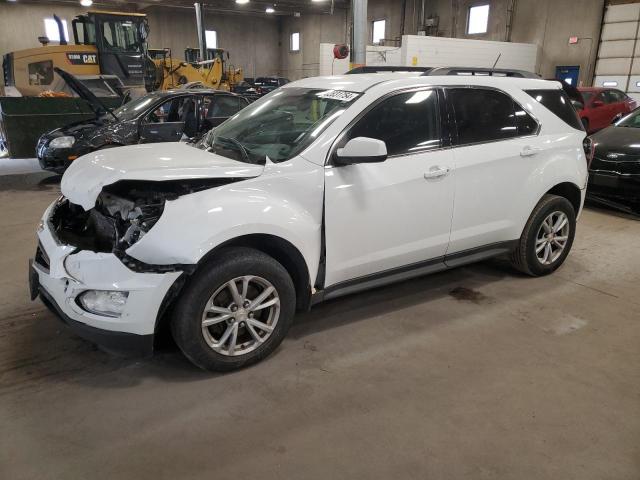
{"points": [[157, 117], [266, 85], [614, 173]]}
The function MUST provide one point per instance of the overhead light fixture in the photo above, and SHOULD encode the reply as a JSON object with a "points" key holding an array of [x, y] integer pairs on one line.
{"points": [[86, 3], [242, 1], [269, 10]]}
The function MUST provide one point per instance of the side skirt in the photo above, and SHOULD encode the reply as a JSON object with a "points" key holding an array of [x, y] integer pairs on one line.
{"points": [[407, 272]]}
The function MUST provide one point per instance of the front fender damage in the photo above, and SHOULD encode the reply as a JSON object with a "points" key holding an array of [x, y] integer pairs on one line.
{"points": [[124, 212]]}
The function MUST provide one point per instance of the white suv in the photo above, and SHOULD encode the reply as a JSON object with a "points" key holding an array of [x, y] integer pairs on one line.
{"points": [[325, 187]]}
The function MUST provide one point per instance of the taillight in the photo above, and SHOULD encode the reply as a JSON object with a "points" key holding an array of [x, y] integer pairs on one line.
{"points": [[589, 150]]}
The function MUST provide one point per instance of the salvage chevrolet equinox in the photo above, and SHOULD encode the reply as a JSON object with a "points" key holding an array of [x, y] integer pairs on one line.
{"points": [[325, 187]]}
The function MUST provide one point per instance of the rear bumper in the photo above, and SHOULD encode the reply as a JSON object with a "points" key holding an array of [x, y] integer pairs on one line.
{"points": [[60, 274]]}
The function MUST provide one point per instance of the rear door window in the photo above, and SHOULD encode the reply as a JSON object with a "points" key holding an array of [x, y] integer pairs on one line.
{"points": [[558, 102], [221, 106], [484, 115], [615, 96]]}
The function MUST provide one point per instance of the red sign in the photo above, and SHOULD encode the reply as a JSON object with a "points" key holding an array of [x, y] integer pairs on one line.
{"points": [[573, 40]]}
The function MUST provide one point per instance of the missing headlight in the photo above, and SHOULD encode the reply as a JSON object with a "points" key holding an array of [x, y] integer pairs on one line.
{"points": [[124, 213]]}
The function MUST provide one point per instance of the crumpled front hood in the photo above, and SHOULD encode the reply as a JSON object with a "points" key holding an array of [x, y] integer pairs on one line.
{"points": [[84, 179]]}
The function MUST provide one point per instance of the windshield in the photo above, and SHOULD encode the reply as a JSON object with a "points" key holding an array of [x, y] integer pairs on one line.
{"points": [[278, 126], [131, 110], [631, 120], [121, 36]]}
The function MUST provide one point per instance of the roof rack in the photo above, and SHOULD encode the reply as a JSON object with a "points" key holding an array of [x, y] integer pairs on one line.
{"points": [[387, 68], [471, 71]]}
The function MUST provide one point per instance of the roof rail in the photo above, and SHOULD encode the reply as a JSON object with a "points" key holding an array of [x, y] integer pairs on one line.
{"points": [[494, 72], [387, 68]]}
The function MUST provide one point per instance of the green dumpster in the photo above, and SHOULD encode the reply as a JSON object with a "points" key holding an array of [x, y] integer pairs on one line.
{"points": [[24, 119]]}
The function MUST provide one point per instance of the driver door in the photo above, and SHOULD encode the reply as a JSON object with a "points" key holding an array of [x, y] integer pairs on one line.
{"points": [[166, 122], [387, 216]]}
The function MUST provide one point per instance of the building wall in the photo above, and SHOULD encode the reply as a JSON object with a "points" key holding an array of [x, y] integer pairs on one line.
{"points": [[548, 23], [260, 45], [557, 20], [314, 30], [251, 41]]}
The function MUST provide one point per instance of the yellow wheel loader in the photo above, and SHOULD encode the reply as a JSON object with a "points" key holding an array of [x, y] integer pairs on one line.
{"points": [[113, 44], [105, 43], [213, 72]]}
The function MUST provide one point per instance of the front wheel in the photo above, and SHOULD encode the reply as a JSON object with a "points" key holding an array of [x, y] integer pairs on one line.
{"points": [[547, 237], [235, 311]]}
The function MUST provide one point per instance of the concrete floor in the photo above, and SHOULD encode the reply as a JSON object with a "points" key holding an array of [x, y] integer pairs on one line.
{"points": [[473, 373]]}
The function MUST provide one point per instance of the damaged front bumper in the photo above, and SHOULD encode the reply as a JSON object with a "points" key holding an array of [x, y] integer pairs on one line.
{"points": [[60, 273]]}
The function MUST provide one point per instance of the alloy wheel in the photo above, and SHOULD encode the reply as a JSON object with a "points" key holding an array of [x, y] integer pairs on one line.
{"points": [[552, 237], [240, 315]]}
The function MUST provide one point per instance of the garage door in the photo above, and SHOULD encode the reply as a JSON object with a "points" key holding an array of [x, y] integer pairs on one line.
{"points": [[618, 63]]}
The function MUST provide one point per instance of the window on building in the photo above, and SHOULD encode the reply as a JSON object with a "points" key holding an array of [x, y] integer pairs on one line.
{"points": [[211, 38], [295, 42], [52, 32], [379, 30], [478, 19]]}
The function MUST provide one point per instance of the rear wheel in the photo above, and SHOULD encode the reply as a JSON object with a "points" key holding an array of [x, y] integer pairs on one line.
{"points": [[547, 237], [235, 311]]}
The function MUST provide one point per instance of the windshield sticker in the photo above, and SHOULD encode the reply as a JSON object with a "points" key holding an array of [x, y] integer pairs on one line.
{"points": [[339, 95]]}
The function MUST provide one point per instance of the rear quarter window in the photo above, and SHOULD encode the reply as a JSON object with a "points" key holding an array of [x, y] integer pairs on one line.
{"points": [[558, 102]]}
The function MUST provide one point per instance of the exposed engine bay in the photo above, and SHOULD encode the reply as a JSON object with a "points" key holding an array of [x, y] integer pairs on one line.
{"points": [[124, 212]]}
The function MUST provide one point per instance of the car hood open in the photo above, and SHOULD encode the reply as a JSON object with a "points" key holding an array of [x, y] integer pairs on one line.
{"points": [[84, 179], [83, 92]]}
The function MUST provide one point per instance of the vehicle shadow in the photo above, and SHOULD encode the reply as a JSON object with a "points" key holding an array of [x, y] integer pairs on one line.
{"points": [[47, 353], [461, 284], [30, 182], [620, 212]]}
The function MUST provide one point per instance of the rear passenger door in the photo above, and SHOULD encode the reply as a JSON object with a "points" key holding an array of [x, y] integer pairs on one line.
{"points": [[495, 153]]}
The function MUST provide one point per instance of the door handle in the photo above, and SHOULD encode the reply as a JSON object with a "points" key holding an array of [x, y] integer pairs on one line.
{"points": [[528, 151], [436, 172]]}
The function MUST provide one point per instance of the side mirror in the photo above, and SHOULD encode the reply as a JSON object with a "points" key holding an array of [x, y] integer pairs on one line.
{"points": [[597, 103], [361, 150], [616, 118]]}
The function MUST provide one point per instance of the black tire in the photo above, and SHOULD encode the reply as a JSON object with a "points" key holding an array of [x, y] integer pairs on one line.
{"points": [[231, 263], [524, 256]]}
